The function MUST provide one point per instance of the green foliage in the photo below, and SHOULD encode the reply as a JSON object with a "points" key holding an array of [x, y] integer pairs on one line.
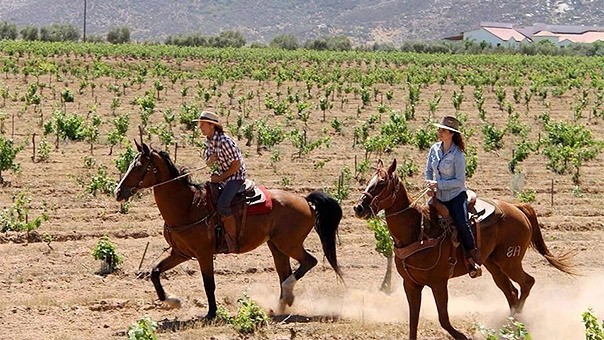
{"points": [[8, 152], [187, 114], [118, 134], [568, 147], [285, 41], [304, 144], [526, 196], [250, 317], [512, 330], [493, 137], [593, 331], [471, 161], [383, 241], [66, 126], [8, 31], [268, 136], [125, 158], [224, 39], [44, 148], [522, 150], [106, 252], [29, 33], [99, 182], [425, 137], [341, 189], [16, 218], [119, 35], [60, 32], [143, 329], [67, 96]]}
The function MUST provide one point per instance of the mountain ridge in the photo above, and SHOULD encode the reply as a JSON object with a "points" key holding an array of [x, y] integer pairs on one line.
{"points": [[363, 21]]}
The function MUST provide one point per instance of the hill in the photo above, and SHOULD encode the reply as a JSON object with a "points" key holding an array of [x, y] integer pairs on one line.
{"points": [[363, 21]]}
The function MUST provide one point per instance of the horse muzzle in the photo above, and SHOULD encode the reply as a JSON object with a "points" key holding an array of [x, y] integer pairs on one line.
{"points": [[122, 195], [360, 211]]}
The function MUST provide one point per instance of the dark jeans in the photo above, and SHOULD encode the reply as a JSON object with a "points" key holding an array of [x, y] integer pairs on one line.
{"points": [[226, 196], [458, 209]]}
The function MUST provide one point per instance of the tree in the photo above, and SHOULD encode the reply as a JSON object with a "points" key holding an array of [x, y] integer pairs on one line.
{"points": [[228, 39], [60, 32], [119, 35], [285, 41], [29, 33], [8, 31]]}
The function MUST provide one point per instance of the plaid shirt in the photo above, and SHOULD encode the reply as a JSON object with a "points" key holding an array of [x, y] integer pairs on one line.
{"points": [[226, 151]]}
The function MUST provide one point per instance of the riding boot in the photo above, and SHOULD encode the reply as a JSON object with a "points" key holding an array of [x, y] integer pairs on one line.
{"points": [[474, 259], [230, 233]]}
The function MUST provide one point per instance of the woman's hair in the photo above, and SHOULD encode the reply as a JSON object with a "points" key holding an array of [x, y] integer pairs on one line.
{"points": [[219, 128], [458, 140]]}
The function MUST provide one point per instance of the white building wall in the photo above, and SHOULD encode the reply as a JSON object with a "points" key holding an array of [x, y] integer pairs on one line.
{"points": [[484, 35]]}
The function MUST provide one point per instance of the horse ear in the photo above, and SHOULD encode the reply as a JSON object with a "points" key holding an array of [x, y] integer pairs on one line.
{"points": [[138, 146], [392, 167], [380, 164], [146, 150]]}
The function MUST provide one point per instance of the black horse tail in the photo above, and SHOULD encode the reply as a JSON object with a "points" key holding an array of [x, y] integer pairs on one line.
{"points": [[328, 214], [561, 262]]}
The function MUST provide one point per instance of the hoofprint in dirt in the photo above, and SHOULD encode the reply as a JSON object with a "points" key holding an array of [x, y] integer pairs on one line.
{"points": [[59, 292]]}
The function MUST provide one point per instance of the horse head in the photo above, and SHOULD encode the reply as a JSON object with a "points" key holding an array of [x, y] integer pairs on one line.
{"points": [[143, 172], [380, 192]]}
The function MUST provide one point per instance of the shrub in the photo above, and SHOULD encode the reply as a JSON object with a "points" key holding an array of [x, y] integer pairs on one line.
{"points": [[8, 152], [250, 317], [105, 251], [526, 196], [143, 329], [512, 330], [119, 35], [593, 331], [16, 218]]}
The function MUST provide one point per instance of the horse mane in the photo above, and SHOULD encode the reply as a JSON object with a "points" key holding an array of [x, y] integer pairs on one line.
{"points": [[174, 172]]}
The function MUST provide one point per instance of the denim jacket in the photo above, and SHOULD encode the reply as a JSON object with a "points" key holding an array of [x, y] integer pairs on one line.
{"points": [[448, 170]]}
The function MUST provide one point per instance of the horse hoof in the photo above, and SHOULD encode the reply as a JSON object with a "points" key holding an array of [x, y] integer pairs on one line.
{"points": [[173, 302]]}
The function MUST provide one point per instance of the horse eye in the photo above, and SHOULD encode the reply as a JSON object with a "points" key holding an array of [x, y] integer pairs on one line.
{"points": [[138, 163]]}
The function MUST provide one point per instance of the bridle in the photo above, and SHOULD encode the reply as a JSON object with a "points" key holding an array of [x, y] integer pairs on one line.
{"points": [[150, 166], [386, 197]]}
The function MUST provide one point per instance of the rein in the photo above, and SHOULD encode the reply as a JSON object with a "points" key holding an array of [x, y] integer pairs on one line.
{"points": [[178, 177]]}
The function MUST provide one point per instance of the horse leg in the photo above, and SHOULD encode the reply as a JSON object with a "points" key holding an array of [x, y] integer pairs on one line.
{"points": [[413, 292], [504, 283], [284, 270], [515, 272], [168, 263], [206, 264], [441, 297], [306, 261]]}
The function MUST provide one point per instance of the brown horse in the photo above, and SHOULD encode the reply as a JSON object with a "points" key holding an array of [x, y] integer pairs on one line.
{"points": [[189, 228], [432, 262]]}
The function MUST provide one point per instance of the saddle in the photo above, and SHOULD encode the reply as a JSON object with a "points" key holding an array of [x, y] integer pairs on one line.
{"points": [[251, 199]]}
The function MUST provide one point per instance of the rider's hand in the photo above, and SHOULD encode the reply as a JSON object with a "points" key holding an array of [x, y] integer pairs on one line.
{"points": [[196, 198], [215, 179], [431, 185], [211, 160]]}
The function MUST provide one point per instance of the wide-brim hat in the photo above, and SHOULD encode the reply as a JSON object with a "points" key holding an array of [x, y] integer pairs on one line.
{"points": [[449, 123], [208, 116]]}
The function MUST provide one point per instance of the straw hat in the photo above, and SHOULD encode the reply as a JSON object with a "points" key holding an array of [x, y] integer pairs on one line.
{"points": [[449, 123], [207, 116]]}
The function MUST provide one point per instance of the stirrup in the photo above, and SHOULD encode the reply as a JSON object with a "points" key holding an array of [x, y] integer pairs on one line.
{"points": [[475, 272]]}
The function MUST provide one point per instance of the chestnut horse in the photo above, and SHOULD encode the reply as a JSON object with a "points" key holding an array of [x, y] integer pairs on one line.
{"points": [[432, 262], [189, 228]]}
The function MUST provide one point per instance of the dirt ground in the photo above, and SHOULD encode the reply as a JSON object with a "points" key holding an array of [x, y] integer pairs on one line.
{"points": [[52, 291]]}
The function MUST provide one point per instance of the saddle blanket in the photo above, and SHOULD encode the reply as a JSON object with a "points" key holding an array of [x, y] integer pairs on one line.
{"points": [[262, 205]]}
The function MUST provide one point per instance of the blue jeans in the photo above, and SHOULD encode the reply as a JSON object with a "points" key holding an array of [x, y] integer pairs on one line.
{"points": [[226, 196], [458, 209]]}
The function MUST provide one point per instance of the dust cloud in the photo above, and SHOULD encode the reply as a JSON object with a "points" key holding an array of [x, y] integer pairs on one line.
{"points": [[552, 311]]}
